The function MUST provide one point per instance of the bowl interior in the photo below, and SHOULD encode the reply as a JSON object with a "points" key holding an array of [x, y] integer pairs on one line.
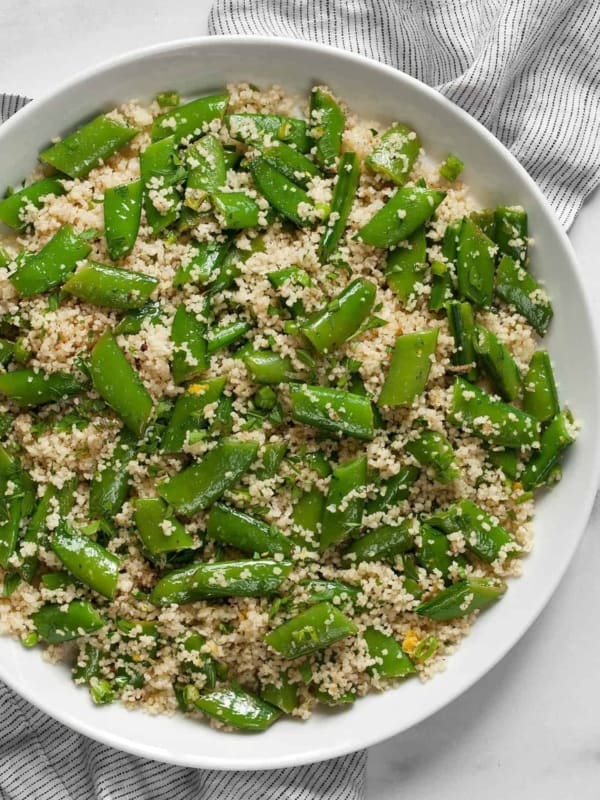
{"points": [[372, 90]]}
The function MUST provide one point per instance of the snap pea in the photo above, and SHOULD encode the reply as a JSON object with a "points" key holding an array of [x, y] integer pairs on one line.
{"points": [[395, 153], [506, 460], [451, 168], [333, 410], [244, 532], [486, 222], [483, 535], [394, 490], [119, 384], [248, 578], [207, 172], [408, 209], [409, 368], [230, 267], [462, 327], [297, 276], [122, 214], [511, 232], [159, 531], [318, 627], [497, 362], [260, 128], [29, 387], [268, 367], [559, 434], [55, 625], [434, 552], [344, 504], [291, 163], [200, 485], [110, 485], [87, 560], [390, 659], [540, 397], [488, 418], [190, 119], [238, 708], [110, 287], [406, 265], [226, 335], [273, 455], [319, 590], [519, 289], [331, 326], [285, 196], [36, 273], [327, 122], [36, 531], [204, 264], [383, 543], [160, 177], [475, 265], [81, 151], [344, 191], [410, 578], [462, 598], [11, 512], [7, 351], [190, 353], [307, 514], [432, 449], [283, 696], [13, 208], [441, 286], [188, 412], [132, 321], [235, 210], [56, 580]]}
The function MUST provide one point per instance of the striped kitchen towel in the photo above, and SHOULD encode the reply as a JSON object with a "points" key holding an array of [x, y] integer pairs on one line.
{"points": [[527, 69]]}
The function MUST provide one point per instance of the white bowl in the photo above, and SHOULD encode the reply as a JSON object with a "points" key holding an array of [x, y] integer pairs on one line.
{"points": [[199, 66]]}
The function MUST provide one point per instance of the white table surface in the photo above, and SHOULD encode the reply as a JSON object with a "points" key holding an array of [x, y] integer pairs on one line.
{"points": [[531, 727]]}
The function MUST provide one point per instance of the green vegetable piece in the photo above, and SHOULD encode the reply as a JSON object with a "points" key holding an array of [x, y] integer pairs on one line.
{"points": [[395, 153], [230, 267], [101, 692], [246, 533], [485, 221], [268, 367], [119, 384], [257, 128], [341, 317], [204, 266], [285, 196], [87, 560], [291, 163], [390, 659], [497, 362], [28, 387], [207, 171], [159, 531], [393, 491], [344, 191], [7, 351], [507, 461], [132, 321], [238, 708], [441, 286], [511, 232], [519, 289], [434, 552], [307, 515], [55, 625], [333, 410], [408, 209], [318, 627], [160, 177], [10, 521], [462, 598], [188, 413], [406, 266], [273, 455], [247, 578], [56, 580], [541, 469], [190, 351], [189, 120], [122, 214], [109, 486], [331, 591], [200, 485], [171, 98], [283, 696], [451, 168], [110, 287], [409, 368], [81, 151], [36, 531], [540, 397], [483, 415], [226, 335], [39, 272], [382, 544], [235, 210], [432, 449], [345, 503], [475, 265], [462, 327], [13, 209], [327, 123]]}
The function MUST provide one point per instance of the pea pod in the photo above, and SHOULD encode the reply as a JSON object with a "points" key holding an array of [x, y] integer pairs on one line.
{"points": [[331, 591], [333, 410], [205, 162], [318, 627], [341, 318], [159, 531], [432, 449], [540, 397], [395, 153], [268, 367], [14, 207], [87, 560], [132, 321], [238, 708], [283, 696], [441, 286], [188, 413], [110, 485], [344, 504], [434, 552], [519, 289], [7, 351], [559, 434], [405, 267], [122, 214], [383, 543], [272, 456], [39, 272], [160, 177], [285, 196], [29, 387], [204, 265], [462, 327], [36, 531], [11, 513], [451, 168], [344, 191], [190, 355], [55, 625], [261, 129], [291, 163], [390, 660], [462, 598], [235, 210], [188, 121], [326, 127], [110, 287], [200, 485], [408, 209], [394, 490], [511, 232], [226, 335], [409, 368], [497, 363], [119, 384], [81, 151], [220, 579], [483, 535], [245, 533], [475, 265], [307, 515]]}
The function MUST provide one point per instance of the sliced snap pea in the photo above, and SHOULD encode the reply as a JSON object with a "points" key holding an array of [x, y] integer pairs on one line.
{"points": [[406, 265], [87, 560], [262, 128], [432, 449], [122, 214], [14, 207], [409, 368], [11, 513], [390, 659], [434, 552], [119, 384], [395, 153], [327, 123], [540, 397], [344, 504], [188, 413], [559, 434], [331, 591], [511, 234], [207, 172], [307, 514], [235, 210], [441, 286], [226, 335], [283, 696], [81, 151], [451, 168], [333, 410], [497, 363], [291, 163], [273, 455], [110, 287], [189, 120], [29, 387], [39, 272], [238, 708], [204, 265], [160, 177], [268, 367], [37, 530], [462, 327], [159, 531], [230, 267], [54, 625], [331, 326], [462, 598], [519, 289], [506, 460], [485, 221], [200, 485], [7, 351], [318, 627], [475, 265], [394, 490], [246, 533], [190, 354], [109, 486], [132, 321], [383, 543], [247, 578], [285, 196], [408, 209], [344, 191]]}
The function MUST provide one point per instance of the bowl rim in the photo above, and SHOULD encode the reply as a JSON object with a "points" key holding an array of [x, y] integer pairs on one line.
{"points": [[341, 747]]}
